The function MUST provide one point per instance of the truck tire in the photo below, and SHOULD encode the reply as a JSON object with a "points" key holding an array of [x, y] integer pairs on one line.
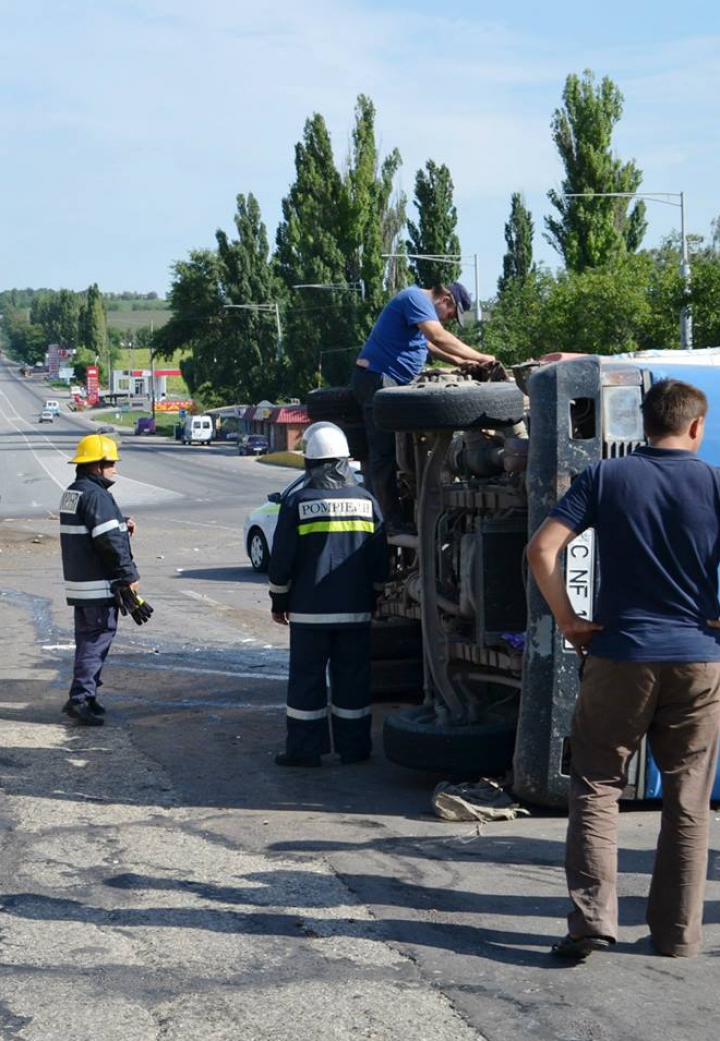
{"points": [[395, 638], [483, 749], [455, 406], [336, 404]]}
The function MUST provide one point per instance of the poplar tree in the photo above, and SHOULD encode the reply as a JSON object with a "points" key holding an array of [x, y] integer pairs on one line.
{"points": [[92, 323], [591, 231], [249, 361], [435, 232], [518, 259]]}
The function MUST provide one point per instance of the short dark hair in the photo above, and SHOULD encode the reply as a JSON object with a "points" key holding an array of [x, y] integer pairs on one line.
{"points": [[670, 406]]}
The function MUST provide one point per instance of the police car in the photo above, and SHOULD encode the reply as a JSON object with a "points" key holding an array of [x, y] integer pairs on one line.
{"points": [[259, 525]]}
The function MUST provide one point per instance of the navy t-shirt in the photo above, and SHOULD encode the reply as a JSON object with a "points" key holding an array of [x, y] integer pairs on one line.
{"points": [[396, 347], [656, 516]]}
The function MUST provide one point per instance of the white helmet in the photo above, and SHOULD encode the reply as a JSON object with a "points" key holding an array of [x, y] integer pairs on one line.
{"points": [[325, 441]]}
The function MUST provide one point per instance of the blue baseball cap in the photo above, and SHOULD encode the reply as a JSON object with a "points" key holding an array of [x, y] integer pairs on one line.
{"points": [[463, 302]]}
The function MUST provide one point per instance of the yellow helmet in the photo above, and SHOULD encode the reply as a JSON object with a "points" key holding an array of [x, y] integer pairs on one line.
{"points": [[94, 448]]}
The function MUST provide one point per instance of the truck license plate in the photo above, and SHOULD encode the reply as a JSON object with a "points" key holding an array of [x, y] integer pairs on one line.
{"points": [[580, 577]]}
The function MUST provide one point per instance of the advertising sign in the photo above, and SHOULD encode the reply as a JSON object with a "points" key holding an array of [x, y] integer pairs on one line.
{"points": [[92, 384]]}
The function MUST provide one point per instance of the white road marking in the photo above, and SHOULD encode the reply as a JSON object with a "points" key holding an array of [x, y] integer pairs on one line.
{"points": [[132, 491]]}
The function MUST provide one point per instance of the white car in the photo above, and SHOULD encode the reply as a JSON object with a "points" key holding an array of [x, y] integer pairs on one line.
{"points": [[46, 416], [259, 526]]}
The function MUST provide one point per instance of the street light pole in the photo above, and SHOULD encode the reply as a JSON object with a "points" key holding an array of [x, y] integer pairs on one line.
{"points": [[686, 328], [274, 308]]}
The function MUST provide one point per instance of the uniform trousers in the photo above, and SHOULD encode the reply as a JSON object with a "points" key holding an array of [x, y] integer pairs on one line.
{"points": [[677, 705], [95, 629], [381, 443], [310, 718]]}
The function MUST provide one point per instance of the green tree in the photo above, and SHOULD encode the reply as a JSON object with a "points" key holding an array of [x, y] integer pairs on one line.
{"points": [[519, 230], [57, 313], [591, 231], [435, 233], [248, 361], [198, 324], [92, 323], [513, 326], [314, 247], [376, 219], [604, 310]]}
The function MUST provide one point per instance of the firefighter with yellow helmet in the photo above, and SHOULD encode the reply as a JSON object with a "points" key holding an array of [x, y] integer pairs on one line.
{"points": [[101, 578]]}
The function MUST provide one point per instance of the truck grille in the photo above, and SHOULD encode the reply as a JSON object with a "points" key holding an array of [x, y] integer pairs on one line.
{"points": [[619, 449]]}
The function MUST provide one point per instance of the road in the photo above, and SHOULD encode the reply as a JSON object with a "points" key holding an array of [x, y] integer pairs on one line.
{"points": [[164, 881]]}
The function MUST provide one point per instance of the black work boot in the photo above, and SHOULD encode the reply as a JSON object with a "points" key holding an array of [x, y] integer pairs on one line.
{"points": [[95, 707], [82, 713]]}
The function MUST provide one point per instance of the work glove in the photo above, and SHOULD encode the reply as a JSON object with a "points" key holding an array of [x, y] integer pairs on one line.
{"points": [[129, 602]]}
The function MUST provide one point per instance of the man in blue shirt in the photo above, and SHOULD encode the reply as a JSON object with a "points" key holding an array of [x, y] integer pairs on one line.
{"points": [[650, 666], [409, 326]]}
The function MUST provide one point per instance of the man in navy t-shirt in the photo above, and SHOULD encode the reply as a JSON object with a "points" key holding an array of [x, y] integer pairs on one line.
{"points": [[409, 326], [651, 666]]}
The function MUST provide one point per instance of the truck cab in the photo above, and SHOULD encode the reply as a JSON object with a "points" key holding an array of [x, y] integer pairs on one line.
{"points": [[480, 465]]}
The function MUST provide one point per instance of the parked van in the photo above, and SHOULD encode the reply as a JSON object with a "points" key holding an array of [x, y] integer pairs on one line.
{"points": [[197, 430], [52, 406]]}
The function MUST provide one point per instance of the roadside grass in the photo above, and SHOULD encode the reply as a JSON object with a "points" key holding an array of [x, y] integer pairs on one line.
{"points": [[164, 424]]}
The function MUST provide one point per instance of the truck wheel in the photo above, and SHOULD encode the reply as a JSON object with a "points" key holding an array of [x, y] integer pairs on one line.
{"points": [[257, 550], [336, 404], [450, 406], [395, 638], [411, 738]]}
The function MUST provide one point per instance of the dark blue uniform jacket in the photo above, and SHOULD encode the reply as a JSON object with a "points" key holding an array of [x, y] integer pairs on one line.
{"points": [[95, 543], [329, 557]]}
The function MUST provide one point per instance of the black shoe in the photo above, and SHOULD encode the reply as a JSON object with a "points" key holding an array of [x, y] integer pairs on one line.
{"points": [[297, 760], [581, 947], [95, 707], [82, 713], [348, 760]]}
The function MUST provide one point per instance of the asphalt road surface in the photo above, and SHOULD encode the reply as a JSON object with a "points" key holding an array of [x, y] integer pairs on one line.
{"points": [[163, 881]]}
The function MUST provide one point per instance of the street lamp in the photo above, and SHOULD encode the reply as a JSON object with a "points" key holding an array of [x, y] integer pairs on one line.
{"points": [[274, 308], [354, 287], [686, 329], [448, 258]]}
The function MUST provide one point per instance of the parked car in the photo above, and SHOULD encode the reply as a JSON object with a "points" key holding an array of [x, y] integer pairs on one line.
{"points": [[46, 416], [259, 526], [253, 444], [480, 464]]}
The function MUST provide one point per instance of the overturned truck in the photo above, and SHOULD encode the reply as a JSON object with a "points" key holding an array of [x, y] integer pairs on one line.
{"points": [[480, 465]]}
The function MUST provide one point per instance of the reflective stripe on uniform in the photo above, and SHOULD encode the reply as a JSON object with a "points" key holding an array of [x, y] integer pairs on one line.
{"points": [[296, 713], [100, 529], [74, 529], [88, 590], [278, 589], [351, 713], [336, 525], [330, 619]]}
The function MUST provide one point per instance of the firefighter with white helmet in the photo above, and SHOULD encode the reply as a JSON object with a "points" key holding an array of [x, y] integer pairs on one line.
{"points": [[101, 578], [329, 561]]}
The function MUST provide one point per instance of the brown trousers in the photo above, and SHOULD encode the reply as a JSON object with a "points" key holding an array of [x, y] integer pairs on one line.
{"points": [[678, 706]]}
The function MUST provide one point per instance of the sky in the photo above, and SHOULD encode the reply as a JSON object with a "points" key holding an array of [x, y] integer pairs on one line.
{"points": [[128, 127]]}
